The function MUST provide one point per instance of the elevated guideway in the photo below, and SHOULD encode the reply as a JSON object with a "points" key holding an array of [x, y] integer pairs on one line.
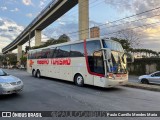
{"points": [[51, 13]]}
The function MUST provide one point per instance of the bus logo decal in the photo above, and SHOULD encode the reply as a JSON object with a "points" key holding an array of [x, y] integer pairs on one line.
{"points": [[31, 62], [61, 61], [43, 61]]}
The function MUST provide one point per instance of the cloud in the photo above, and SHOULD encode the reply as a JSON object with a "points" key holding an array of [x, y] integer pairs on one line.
{"points": [[27, 2], [3, 8], [54, 31], [15, 10], [30, 15], [148, 33], [9, 30], [42, 3]]}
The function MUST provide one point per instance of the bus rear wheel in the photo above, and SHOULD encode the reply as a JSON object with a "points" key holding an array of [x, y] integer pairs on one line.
{"points": [[79, 81], [38, 74], [33, 73]]}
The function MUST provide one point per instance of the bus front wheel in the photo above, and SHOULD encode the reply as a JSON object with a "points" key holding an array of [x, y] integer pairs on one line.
{"points": [[79, 81]]}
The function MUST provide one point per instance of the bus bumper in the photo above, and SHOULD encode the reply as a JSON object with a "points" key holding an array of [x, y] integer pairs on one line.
{"points": [[113, 83], [108, 83]]}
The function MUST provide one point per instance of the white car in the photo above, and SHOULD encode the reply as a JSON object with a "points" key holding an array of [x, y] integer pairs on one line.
{"points": [[9, 84], [151, 78]]}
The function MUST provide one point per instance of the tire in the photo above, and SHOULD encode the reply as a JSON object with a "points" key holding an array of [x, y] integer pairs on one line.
{"points": [[79, 81], [38, 74], [33, 73], [144, 81]]}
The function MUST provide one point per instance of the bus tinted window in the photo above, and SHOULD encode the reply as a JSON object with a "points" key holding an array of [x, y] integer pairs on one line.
{"points": [[95, 57], [64, 51], [33, 55], [52, 52], [38, 56], [45, 53], [77, 50]]}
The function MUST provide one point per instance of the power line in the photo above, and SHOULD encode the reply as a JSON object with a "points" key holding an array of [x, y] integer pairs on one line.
{"points": [[123, 23], [130, 22], [119, 19], [126, 29], [133, 28]]}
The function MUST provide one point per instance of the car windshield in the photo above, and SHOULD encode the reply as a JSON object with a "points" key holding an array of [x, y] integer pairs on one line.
{"points": [[2, 73]]}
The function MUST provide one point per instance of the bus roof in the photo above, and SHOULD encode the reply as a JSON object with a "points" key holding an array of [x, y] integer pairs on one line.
{"points": [[68, 43]]}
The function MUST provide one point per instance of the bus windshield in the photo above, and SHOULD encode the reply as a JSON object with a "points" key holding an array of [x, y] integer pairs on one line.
{"points": [[118, 62], [114, 46]]}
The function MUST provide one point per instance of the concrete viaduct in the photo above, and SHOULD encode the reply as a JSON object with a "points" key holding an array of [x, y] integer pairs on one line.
{"points": [[54, 10]]}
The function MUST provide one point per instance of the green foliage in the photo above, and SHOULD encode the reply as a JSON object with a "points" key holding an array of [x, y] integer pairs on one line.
{"points": [[125, 44], [9, 59], [23, 59]]}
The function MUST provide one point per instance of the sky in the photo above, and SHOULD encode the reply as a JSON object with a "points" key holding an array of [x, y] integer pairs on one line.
{"points": [[142, 30]]}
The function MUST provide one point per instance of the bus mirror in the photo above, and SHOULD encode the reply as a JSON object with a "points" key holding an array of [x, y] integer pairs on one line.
{"points": [[130, 58], [97, 53]]}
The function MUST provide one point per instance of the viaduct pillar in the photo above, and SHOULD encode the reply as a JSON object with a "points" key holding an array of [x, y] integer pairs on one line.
{"points": [[83, 19], [37, 37], [19, 54]]}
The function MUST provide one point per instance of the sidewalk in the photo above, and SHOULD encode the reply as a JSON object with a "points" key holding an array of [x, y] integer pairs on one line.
{"points": [[143, 86]]}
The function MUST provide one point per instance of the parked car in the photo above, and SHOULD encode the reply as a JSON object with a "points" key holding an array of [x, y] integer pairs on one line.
{"points": [[9, 84], [151, 78]]}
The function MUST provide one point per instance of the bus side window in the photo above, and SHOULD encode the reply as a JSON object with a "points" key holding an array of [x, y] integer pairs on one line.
{"points": [[64, 51], [38, 55], [45, 53], [77, 50], [52, 52], [34, 55], [55, 55]]}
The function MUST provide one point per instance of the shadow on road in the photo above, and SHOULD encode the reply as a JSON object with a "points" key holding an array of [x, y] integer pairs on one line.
{"points": [[9, 97], [85, 86]]}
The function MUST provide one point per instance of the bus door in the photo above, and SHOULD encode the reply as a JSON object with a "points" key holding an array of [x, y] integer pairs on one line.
{"points": [[95, 61]]}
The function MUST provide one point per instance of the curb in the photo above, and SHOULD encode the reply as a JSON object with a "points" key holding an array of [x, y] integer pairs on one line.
{"points": [[143, 86]]}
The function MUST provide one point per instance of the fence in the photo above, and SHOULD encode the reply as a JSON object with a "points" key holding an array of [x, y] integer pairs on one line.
{"points": [[144, 66]]}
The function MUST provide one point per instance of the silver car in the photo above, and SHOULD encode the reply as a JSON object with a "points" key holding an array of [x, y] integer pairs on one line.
{"points": [[9, 84], [151, 78]]}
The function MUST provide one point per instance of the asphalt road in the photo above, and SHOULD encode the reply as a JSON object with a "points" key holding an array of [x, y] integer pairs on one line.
{"points": [[48, 94]]}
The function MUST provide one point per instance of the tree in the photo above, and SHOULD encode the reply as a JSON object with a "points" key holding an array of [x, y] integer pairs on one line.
{"points": [[23, 60], [63, 38], [9, 59], [131, 36], [27, 49], [125, 43]]}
